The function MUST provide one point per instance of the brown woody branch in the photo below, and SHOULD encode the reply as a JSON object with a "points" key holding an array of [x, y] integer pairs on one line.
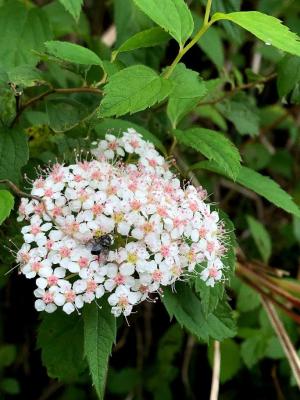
{"points": [[236, 89], [29, 103], [284, 339], [18, 191]]}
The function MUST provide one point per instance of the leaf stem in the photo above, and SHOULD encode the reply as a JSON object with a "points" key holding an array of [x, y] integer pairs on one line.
{"points": [[182, 51], [207, 11]]}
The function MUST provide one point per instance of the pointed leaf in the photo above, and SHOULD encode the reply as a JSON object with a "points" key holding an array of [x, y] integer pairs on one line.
{"points": [[6, 204], [171, 15], [187, 83], [73, 6], [261, 238], [214, 146], [263, 185], [72, 53], [148, 38], [22, 29], [13, 153], [186, 307], [133, 89], [60, 337], [99, 336], [266, 28]]}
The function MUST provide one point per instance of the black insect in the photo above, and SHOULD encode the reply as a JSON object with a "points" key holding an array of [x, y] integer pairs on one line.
{"points": [[101, 245]]}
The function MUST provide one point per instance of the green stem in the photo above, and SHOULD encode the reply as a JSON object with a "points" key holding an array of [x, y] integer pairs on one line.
{"points": [[185, 50], [182, 51], [173, 145], [207, 12]]}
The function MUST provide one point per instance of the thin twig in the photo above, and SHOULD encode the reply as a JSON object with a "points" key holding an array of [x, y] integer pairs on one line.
{"points": [[236, 89], [245, 192], [186, 363], [18, 191], [295, 317], [284, 339], [50, 390], [268, 283], [29, 103], [215, 383], [279, 120], [279, 392]]}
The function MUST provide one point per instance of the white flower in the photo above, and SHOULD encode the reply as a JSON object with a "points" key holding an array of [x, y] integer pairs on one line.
{"points": [[35, 232], [50, 277], [157, 230], [212, 273], [122, 300]]}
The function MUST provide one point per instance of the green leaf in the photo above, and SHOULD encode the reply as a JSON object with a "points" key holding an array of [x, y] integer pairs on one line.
{"points": [[296, 228], [256, 156], [209, 296], [10, 386], [123, 381], [211, 113], [261, 184], [129, 20], [189, 89], [60, 337], [253, 349], [63, 23], [99, 336], [266, 28], [187, 83], [171, 15], [288, 74], [6, 205], [261, 238], [148, 38], [116, 126], [73, 7], [233, 32], [214, 146], [25, 76], [133, 89], [13, 153], [231, 361], [64, 113], [241, 111], [22, 29], [164, 370], [178, 108], [247, 299], [185, 306], [274, 349], [8, 353], [72, 53]]}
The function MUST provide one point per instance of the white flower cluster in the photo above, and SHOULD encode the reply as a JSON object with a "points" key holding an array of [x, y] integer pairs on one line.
{"points": [[158, 230]]}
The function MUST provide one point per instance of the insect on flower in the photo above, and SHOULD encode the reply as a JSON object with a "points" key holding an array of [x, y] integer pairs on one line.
{"points": [[101, 244]]}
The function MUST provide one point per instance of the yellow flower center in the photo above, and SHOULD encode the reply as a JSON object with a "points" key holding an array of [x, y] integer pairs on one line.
{"points": [[132, 258], [98, 233], [118, 217]]}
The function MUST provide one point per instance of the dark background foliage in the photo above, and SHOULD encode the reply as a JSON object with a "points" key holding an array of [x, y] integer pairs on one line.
{"points": [[256, 105]]}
